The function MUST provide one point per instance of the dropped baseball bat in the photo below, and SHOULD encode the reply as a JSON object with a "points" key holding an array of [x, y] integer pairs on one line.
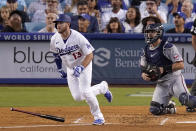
{"points": [[55, 118]]}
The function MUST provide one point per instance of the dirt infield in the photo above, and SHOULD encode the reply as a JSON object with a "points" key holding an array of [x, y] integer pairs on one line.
{"points": [[118, 118]]}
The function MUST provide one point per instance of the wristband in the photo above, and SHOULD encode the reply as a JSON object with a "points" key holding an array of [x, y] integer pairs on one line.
{"points": [[167, 69], [59, 70]]}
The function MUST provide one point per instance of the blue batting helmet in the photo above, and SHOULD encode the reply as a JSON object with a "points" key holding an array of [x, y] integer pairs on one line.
{"points": [[62, 18]]}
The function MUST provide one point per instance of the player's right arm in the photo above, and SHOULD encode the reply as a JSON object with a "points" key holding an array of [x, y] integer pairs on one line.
{"points": [[57, 58], [143, 64]]}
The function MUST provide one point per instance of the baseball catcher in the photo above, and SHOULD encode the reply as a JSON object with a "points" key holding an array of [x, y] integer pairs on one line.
{"points": [[162, 62]]}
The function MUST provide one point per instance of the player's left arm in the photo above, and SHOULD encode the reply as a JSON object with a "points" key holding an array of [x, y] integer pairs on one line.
{"points": [[172, 53], [87, 50], [87, 60], [78, 69]]}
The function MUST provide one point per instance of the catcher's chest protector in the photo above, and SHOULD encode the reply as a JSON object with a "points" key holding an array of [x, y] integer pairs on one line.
{"points": [[156, 56]]}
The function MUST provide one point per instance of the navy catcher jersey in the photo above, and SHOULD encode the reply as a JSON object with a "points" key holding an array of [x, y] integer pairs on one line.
{"points": [[156, 56], [162, 55]]}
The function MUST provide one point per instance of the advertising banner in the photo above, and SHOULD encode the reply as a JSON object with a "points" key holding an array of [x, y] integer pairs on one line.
{"points": [[116, 58]]}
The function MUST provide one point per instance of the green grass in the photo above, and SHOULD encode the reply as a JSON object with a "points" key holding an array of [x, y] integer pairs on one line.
{"points": [[55, 96]]}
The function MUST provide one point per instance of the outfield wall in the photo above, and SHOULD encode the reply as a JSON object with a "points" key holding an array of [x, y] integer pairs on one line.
{"points": [[25, 58]]}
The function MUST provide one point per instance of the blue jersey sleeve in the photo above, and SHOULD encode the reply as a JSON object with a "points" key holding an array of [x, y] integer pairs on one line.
{"points": [[58, 61]]}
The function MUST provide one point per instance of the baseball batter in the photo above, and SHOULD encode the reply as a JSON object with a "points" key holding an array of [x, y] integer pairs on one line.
{"points": [[74, 51], [171, 82]]}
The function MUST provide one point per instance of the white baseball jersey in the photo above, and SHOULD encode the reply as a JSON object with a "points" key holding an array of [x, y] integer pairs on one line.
{"points": [[73, 50]]}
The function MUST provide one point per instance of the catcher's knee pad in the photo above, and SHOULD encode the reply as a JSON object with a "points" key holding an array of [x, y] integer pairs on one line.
{"points": [[187, 100], [156, 108]]}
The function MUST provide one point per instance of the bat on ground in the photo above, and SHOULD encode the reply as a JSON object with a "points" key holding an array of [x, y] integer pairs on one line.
{"points": [[55, 118]]}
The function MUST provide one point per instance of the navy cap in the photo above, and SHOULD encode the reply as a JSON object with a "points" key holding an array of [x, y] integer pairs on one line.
{"points": [[11, 1], [85, 16], [181, 14], [63, 18]]}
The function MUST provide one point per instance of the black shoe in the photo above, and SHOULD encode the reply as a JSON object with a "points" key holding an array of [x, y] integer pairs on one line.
{"points": [[190, 109]]}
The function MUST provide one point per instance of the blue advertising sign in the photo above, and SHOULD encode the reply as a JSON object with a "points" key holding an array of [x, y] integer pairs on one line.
{"points": [[116, 58]]}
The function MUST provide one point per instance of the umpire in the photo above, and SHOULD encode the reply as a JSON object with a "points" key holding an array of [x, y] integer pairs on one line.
{"points": [[193, 32]]}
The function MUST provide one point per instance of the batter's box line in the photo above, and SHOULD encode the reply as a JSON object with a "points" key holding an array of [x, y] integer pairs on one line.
{"points": [[65, 125], [185, 122], [164, 121], [78, 120]]}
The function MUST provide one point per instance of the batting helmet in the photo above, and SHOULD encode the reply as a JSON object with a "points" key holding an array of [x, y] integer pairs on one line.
{"points": [[62, 18]]}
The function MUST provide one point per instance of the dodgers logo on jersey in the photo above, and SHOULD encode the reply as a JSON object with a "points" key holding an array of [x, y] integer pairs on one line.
{"points": [[67, 50], [88, 46]]}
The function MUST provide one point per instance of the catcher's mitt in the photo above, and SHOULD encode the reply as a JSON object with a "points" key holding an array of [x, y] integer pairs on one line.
{"points": [[153, 72]]}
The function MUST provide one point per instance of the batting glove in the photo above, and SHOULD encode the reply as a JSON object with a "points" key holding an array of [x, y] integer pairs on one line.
{"points": [[63, 74], [78, 70]]}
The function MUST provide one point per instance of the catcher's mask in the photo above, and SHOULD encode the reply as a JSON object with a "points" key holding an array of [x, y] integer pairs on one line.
{"points": [[153, 28]]}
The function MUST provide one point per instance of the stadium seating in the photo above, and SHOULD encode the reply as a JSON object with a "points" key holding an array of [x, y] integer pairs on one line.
{"points": [[28, 2], [168, 26], [34, 26]]}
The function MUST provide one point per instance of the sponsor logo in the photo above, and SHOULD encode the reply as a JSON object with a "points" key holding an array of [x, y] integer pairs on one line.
{"points": [[101, 57], [67, 50], [32, 56], [152, 55]]}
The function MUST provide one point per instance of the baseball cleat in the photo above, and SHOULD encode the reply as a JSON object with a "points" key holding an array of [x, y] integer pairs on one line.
{"points": [[190, 109], [98, 122], [108, 94], [170, 108]]}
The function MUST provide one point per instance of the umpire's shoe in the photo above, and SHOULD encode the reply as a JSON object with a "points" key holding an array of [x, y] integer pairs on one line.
{"points": [[190, 109], [98, 122], [108, 94]]}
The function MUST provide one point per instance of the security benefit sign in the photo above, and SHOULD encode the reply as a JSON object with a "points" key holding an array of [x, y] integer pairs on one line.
{"points": [[188, 53], [26, 60], [116, 60]]}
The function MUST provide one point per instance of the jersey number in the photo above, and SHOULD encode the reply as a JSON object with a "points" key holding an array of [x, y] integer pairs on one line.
{"points": [[77, 55]]}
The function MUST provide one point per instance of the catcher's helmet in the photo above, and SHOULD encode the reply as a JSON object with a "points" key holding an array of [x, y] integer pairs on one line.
{"points": [[155, 28]]}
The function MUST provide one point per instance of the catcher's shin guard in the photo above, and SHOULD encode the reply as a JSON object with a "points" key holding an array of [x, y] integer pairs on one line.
{"points": [[187, 100]]}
